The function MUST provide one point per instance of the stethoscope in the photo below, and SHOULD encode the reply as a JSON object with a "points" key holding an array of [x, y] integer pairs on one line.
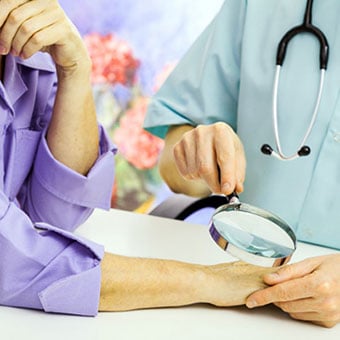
{"points": [[306, 27]]}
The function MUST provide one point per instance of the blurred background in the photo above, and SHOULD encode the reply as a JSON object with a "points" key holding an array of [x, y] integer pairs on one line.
{"points": [[134, 44]]}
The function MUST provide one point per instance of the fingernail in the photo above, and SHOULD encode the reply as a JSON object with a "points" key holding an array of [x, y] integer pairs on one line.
{"points": [[251, 304], [14, 52], [3, 49], [273, 276]]}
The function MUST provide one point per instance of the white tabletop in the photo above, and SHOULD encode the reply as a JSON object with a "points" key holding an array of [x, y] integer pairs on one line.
{"points": [[128, 233]]}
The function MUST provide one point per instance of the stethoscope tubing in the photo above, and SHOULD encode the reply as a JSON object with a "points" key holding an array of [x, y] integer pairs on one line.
{"points": [[306, 27], [280, 154]]}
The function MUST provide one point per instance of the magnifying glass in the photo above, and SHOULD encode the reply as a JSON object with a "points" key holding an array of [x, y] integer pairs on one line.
{"points": [[252, 234]]}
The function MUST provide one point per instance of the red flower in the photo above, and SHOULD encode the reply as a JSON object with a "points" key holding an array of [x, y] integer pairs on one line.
{"points": [[138, 146], [112, 59]]}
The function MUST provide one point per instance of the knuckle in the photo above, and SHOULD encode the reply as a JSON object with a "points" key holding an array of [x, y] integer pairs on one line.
{"points": [[199, 131], [226, 155], [36, 39], [221, 126], [204, 169], [177, 151], [324, 288], [221, 129], [330, 306], [26, 28], [184, 143], [14, 18]]}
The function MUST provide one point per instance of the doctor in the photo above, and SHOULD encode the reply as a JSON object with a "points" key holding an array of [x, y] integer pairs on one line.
{"points": [[217, 110]]}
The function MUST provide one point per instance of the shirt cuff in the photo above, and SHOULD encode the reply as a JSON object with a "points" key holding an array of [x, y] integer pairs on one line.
{"points": [[73, 187], [79, 293]]}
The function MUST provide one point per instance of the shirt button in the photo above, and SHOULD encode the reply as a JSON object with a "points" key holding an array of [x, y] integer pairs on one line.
{"points": [[336, 136]]}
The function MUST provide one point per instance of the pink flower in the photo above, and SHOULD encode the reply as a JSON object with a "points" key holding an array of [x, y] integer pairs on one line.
{"points": [[112, 59], [138, 146]]}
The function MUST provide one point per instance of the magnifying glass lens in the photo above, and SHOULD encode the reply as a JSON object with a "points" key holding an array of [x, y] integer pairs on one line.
{"points": [[253, 234]]}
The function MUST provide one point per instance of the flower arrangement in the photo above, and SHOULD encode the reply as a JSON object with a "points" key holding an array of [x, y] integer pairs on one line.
{"points": [[112, 58], [121, 107], [139, 147]]}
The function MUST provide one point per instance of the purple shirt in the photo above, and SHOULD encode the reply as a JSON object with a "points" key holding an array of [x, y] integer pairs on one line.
{"points": [[43, 264]]}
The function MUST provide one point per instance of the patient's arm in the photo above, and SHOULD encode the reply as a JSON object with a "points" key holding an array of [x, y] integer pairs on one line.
{"points": [[136, 283]]}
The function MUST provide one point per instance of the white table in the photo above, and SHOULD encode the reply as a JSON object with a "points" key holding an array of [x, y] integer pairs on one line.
{"points": [[134, 234]]}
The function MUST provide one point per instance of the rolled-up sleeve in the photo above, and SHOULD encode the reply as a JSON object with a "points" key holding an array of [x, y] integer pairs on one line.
{"points": [[54, 188], [44, 267]]}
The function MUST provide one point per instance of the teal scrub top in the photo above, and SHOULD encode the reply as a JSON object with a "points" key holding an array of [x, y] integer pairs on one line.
{"points": [[227, 75]]}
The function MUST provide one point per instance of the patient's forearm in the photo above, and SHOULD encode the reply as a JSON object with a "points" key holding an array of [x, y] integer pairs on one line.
{"points": [[136, 283], [132, 283]]}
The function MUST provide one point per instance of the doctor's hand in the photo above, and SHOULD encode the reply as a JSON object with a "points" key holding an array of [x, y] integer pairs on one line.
{"points": [[40, 25], [308, 290], [208, 155]]}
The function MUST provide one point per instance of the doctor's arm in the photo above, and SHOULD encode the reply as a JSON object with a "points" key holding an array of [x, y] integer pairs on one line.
{"points": [[137, 283], [203, 160], [196, 111]]}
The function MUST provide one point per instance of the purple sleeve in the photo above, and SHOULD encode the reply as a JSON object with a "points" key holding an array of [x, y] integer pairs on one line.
{"points": [[44, 267], [54, 188]]}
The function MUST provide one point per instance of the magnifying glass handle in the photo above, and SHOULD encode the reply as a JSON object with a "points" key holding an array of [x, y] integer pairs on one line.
{"points": [[233, 198]]}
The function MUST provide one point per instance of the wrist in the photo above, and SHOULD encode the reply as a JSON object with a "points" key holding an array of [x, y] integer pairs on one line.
{"points": [[229, 284], [80, 69]]}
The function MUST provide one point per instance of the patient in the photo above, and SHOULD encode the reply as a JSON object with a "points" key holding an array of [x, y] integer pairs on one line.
{"points": [[56, 166]]}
